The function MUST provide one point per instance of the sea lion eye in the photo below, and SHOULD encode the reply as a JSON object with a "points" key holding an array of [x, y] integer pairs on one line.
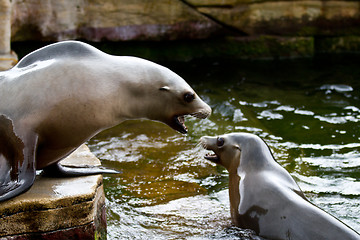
{"points": [[189, 97], [220, 141]]}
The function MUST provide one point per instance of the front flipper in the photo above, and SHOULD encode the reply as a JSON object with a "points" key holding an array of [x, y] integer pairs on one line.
{"points": [[17, 161], [12, 188], [58, 170]]}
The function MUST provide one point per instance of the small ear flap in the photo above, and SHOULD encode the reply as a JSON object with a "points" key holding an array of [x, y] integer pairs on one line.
{"points": [[165, 88]]}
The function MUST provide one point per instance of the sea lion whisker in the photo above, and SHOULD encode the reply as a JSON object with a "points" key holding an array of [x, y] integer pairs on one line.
{"points": [[198, 145], [200, 114], [203, 144]]}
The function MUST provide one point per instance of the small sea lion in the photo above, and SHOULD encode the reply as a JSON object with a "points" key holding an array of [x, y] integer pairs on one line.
{"points": [[263, 195]]}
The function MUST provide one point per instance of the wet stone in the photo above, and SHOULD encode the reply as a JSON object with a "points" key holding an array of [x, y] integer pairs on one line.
{"points": [[7, 60], [58, 208]]}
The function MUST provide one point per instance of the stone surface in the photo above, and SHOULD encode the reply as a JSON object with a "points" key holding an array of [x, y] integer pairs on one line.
{"points": [[57, 206], [268, 47], [123, 20], [7, 58], [5, 23], [114, 20], [297, 18], [254, 47], [344, 44], [84, 232], [214, 20]]}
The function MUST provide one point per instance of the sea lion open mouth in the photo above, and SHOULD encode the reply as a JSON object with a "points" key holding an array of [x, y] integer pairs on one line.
{"points": [[212, 157], [180, 124], [179, 120]]}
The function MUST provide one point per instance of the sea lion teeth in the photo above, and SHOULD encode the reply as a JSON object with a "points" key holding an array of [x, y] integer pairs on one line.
{"points": [[212, 157]]}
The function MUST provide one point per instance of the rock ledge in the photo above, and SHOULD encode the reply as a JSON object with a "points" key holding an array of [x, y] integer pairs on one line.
{"points": [[55, 208]]}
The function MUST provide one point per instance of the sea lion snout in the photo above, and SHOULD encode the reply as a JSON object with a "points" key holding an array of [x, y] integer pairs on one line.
{"points": [[209, 143], [203, 110], [196, 108], [202, 113], [225, 150]]}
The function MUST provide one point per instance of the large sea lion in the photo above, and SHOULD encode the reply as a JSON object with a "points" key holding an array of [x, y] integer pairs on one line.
{"points": [[61, 95], [263, 195]]}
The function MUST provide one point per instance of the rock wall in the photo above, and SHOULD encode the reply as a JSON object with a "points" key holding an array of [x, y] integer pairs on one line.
{"points": [[284, 18], [7, 58], [234, 28], [114, 20], [123, 20], [5, 11]]}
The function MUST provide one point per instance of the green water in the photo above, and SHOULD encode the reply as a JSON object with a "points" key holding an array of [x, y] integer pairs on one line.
{"points": [[307, 111]]}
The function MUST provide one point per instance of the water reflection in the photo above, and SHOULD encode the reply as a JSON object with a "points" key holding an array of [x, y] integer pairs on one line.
{"points": [[307, 112]]}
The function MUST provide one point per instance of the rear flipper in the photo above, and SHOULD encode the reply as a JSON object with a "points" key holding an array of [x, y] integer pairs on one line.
{"points": [[58, 170]]}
